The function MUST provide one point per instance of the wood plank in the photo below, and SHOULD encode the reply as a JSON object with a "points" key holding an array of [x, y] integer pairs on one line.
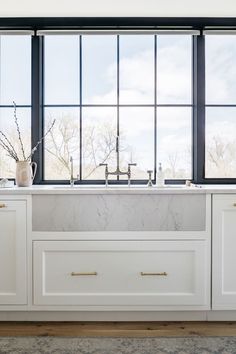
{"points": [[118, 329]]}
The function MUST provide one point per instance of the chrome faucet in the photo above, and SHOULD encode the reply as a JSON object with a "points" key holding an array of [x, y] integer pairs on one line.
{"points": [[72, 179], [117, 171]]}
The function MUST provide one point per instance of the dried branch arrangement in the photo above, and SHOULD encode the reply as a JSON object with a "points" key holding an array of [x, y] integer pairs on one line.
{"points": [[6, 144]]}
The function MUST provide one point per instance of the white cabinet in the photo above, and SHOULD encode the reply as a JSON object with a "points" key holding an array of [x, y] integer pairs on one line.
{"points": [[12, 252], [121, 273], [224, 252]]}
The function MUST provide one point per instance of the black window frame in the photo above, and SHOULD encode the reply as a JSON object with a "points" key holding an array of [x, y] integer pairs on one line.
{"points": [[118, 23], [116, 106]]}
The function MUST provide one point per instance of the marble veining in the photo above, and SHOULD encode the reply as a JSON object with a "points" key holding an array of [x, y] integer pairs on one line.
{"points": [[177, 212]]}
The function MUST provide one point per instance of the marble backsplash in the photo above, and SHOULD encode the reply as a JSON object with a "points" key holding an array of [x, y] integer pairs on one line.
{"points": [[179, 212]]}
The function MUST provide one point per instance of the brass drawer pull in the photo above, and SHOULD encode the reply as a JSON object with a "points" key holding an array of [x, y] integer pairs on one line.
{"points": [[74, 274], [163, 274], [2, 206]]}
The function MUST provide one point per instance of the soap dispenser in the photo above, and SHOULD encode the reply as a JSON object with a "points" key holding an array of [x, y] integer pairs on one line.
{"points": [[160, 177]]}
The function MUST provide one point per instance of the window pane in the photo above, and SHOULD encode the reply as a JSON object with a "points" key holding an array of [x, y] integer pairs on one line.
{"points": [[61, 68], [221, 69], [61, 143], [174, 69], [220, 143], [137, 140], [136, 69], [15, 63], [99, 68], [99, 141], [8, 127], [174, 141]]}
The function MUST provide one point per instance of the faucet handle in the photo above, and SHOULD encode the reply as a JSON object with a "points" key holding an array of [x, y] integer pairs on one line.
{"points": [[149, 178], [103, 164], [132, 164]]}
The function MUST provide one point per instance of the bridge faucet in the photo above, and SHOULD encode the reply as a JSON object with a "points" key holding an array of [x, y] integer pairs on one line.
{"points": [[117, 171]]}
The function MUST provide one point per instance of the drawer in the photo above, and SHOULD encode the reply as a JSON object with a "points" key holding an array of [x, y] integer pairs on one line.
{"points": [[120, 273]]}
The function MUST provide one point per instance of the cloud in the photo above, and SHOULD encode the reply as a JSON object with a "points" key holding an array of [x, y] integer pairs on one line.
{"points": [[174, 62], [220, 69], [225, 128]]}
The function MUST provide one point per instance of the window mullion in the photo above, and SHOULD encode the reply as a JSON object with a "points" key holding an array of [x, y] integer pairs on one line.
{"points": [[37, 105], [155, 107], [198, 109], [80, 112], [118, 89]]}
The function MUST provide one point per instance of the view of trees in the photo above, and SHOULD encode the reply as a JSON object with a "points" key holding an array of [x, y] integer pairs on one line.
{"points": [[99, 147], [221, 157], [64, 141]]}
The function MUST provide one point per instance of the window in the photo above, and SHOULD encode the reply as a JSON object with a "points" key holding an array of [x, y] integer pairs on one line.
{"points": [[220, 106], [166, 87], [100, 86], [15, 85]]}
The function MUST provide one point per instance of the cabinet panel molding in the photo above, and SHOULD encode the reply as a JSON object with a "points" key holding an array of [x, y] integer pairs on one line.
{"points": [[224, 252]]}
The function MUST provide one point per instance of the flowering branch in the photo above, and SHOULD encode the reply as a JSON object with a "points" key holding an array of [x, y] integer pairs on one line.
{"points": [[18, 131], [40, 141], [6, 144]]}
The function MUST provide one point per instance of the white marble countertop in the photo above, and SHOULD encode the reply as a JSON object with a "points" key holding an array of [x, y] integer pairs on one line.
{"points": [[114, 189]]}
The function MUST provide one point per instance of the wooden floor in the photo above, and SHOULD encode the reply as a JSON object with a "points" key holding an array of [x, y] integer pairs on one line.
{"points": [[118, 329]]}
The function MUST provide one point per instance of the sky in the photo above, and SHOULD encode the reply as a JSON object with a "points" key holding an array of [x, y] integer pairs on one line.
{"points": [[15, 70]]}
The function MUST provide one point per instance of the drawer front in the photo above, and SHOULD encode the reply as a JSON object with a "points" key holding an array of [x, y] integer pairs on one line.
{"points": [[120, 273]]}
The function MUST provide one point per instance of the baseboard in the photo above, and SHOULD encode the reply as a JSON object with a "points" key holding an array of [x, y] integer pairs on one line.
{"points": [[228, 315], [118, 316], [103, 316]]}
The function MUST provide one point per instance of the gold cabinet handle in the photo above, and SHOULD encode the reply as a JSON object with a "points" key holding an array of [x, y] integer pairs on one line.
{"points": [[234, 204], [2, 206], [162, 274], [75, 274]]}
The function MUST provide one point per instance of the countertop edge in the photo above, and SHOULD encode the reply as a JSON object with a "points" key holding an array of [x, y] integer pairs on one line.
{"points": [[54, 190]]}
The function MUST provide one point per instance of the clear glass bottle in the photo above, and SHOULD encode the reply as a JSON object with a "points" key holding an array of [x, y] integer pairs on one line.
{"points": [[160, 176]]}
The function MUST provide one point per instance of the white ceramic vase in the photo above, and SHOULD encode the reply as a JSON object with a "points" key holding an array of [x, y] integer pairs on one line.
{"points": [[25, 174]]}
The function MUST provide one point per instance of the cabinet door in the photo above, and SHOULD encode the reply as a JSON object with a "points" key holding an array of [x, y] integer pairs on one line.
{"points": [[224, 252], [12, 252], [120, 273]]}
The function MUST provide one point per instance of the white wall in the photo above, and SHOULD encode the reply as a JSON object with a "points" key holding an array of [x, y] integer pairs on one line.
{"points": [[195, 8]]}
